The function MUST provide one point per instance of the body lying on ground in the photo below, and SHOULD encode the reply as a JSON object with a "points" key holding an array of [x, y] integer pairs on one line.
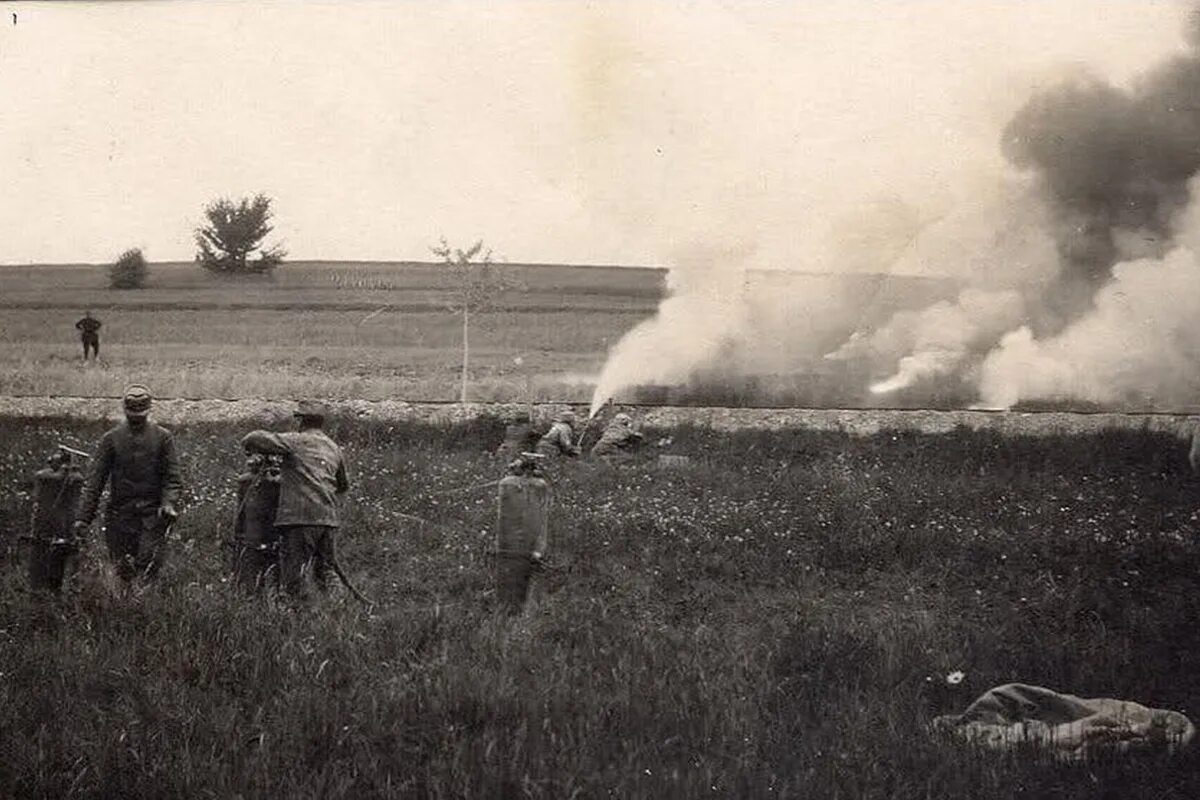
{"points": [[1067, 727]]}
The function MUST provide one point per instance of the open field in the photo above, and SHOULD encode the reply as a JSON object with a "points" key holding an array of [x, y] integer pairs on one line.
{"points": [[328, 329], [775, 621]]}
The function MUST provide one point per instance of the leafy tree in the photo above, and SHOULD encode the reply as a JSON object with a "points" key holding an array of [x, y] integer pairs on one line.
{"points": [[235, 231], [129, 271], [478, 285]]}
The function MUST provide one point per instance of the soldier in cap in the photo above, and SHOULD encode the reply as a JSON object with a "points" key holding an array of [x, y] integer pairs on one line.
{"points": [[312, 476], [559, 440], [138, 461], [619, 439], [89, 333]]}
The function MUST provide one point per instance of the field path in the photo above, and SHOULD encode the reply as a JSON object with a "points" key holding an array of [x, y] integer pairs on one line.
{"points": [[852, 421]]}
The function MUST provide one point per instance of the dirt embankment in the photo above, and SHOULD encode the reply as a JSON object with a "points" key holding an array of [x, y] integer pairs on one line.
{"points": [[854, 422]]}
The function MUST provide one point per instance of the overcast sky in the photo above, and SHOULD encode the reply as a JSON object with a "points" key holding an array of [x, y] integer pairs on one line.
{"points": [[557, 131]]}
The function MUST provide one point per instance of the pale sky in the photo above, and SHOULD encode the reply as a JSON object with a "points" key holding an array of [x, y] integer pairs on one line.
{"points": [[556, 131]]}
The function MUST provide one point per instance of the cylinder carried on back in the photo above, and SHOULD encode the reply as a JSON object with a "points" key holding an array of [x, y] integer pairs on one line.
{"points": [[255, 542], [56, 491], [522, 517]]}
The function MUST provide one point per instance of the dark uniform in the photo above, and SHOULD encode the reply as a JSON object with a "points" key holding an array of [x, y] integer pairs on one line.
{"points": [[89, 334], [137, 459], [312, 475]]}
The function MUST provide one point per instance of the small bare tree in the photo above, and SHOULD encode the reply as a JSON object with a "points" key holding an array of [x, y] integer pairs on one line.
{"points": [[478, 285]]}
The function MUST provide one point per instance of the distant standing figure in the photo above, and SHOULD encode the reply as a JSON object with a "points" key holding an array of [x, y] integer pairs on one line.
{"points": [[619, 439], [137, 459], [312, 476], [559, 440], [89, 333]]}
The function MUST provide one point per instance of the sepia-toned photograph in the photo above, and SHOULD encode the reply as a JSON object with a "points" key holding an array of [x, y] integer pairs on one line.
{"points": [[576, 399]]}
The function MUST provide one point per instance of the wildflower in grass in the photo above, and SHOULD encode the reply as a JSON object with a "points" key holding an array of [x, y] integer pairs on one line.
{"points": [[955, 678]]}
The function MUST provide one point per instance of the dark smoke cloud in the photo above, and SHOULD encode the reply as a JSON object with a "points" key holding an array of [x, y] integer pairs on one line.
{"points": [[1114, 164]]}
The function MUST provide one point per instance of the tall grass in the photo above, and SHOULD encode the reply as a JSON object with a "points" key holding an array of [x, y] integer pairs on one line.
{"points": [[776, 620]]}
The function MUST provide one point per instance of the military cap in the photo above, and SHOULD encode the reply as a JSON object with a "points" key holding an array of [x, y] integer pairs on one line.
{"points": [[137, 400], [311, 408]]}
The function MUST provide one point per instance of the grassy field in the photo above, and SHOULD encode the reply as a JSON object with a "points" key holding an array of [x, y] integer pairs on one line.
{"points": [[331, 329], [775, 621]]}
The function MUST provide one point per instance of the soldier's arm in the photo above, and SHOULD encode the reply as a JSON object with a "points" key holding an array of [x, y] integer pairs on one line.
{"points": [[266, 442], [1194, 453], [93, 487], [172, 483]]}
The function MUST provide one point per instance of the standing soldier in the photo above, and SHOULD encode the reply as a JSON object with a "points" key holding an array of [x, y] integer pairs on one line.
{"points": [[89, 333], [312, 475], [137, 459], [559, 440]]}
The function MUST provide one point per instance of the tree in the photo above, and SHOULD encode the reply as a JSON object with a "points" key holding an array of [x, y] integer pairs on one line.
{"points": [[234, 231], [478, 285], [129, 271]]}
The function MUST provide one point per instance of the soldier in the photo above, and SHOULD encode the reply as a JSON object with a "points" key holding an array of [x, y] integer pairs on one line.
{"points": [[312, 475], [559, 439], [619, 439], [138, 460], [89, 334]]}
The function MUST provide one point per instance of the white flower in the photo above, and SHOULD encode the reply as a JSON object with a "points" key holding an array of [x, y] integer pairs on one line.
{"points": [[955, 678]]}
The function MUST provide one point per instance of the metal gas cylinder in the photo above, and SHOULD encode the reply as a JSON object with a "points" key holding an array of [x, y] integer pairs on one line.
{"points": [[56, 490], [255, 542], [523, 510]]}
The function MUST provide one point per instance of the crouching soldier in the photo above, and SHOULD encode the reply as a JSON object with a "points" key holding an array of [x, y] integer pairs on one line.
{"points": [[312, 476], [560, 439], [137, 460], [619, 439]]}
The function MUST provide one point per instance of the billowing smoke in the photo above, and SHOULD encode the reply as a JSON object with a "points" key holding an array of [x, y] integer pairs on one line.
{"points": [[1059, 265], [938, 339], [1116, 323], [699, 319], [1138, 346]]}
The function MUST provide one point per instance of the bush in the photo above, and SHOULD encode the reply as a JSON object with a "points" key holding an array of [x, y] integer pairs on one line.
{"points": [[129, 271]]}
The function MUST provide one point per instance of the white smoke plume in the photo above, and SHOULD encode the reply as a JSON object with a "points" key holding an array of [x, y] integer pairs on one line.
{"points": [[940, 338], [702, 314], [848, 174], [1138, 347]]}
